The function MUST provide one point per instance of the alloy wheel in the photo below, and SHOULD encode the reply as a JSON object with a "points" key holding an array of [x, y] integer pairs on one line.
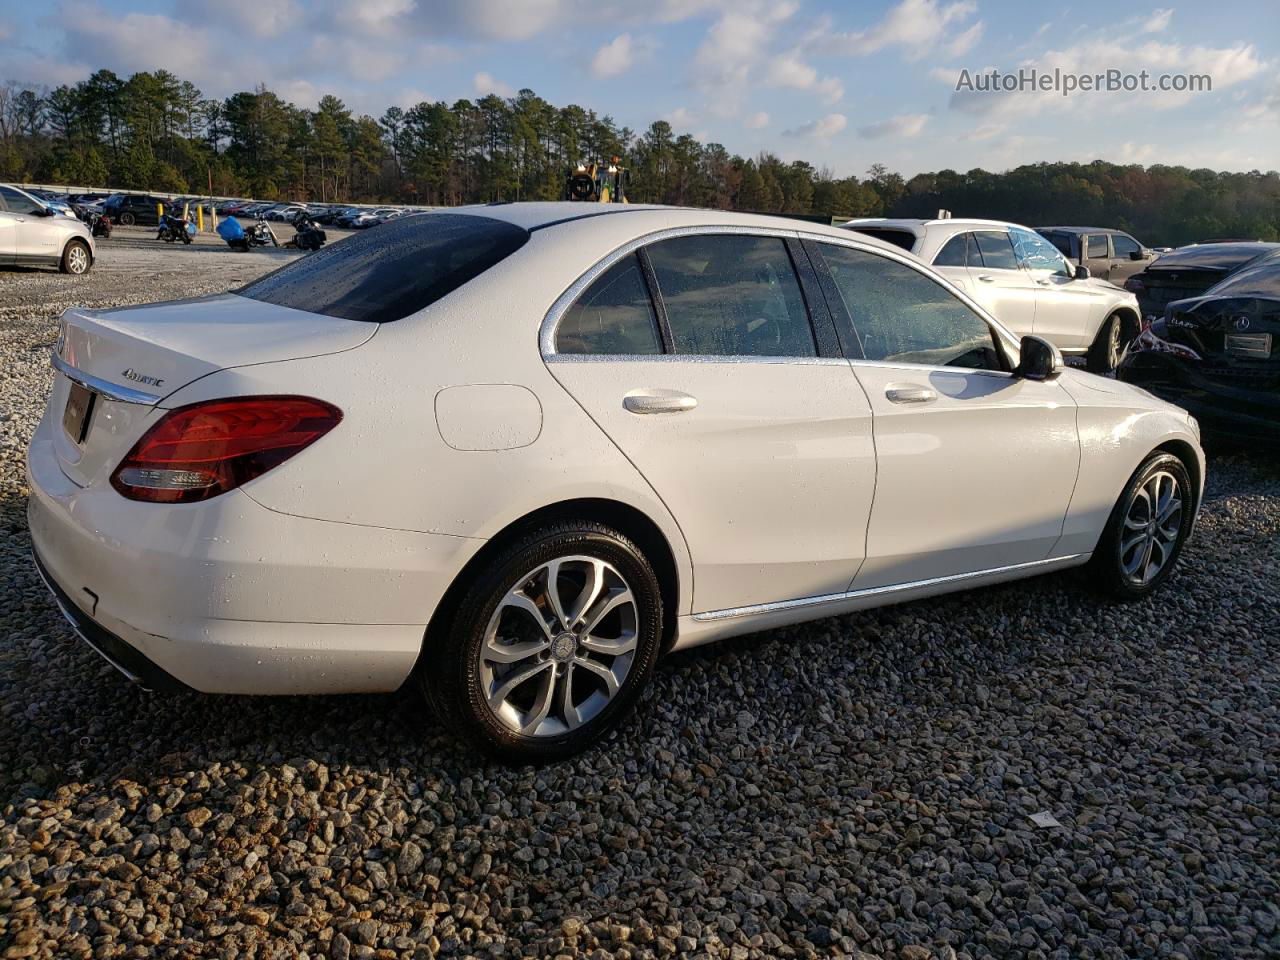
{"points": [[77, 260], [1151, 527], [559, 646], [1113, 345]]}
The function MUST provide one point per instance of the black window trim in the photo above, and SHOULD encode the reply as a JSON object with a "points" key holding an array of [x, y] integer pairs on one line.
{"points": [[814, 304]]}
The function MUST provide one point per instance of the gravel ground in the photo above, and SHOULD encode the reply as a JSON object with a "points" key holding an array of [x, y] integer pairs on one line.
{"points": [[859, 786]]}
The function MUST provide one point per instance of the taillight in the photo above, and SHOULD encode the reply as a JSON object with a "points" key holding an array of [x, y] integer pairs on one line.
{"points": [[200, 451]]}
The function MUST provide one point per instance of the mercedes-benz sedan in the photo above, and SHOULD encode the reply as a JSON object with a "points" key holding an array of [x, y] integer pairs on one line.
{"points": [[513, 454]]}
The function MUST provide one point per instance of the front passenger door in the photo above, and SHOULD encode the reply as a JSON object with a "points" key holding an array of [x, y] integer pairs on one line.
{"points": [[975, 467]]}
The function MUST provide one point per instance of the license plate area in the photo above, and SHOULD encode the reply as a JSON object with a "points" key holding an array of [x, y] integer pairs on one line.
{"points": [[1255, 345], [78, 413]]}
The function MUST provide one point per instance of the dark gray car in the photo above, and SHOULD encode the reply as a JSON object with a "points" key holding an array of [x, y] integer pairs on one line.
{"points": [[1108, 253], [35, 234]]}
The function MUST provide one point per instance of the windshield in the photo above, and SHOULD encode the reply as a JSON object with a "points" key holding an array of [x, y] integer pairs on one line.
{"points": [[389, 273]]}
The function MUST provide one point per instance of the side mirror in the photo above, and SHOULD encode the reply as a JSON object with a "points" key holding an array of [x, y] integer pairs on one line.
{"points": [[1038, 359], [1142, 254], [1082, 272], [45, 211]]}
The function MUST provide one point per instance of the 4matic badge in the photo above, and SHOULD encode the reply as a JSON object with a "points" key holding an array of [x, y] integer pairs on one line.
{"points": [[136, 377]]}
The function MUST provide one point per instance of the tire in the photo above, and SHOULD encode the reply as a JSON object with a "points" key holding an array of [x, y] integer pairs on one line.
{"points": [[1107, 347], [1117, 566], [529, 722], [76, 259], [128, 219]]}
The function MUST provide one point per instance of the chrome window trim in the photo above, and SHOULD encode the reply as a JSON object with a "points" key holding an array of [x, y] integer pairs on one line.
{"points": [[547, 332], [691, 358], [109, 390], [764, 608]]}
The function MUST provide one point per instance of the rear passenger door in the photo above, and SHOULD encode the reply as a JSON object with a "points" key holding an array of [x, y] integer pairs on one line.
{"points": [[1097, 255], [711, 361]]}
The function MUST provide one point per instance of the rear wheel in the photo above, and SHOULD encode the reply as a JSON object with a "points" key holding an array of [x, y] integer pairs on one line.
{"points": [[1108, 346], [75, 258], [1147, 529], [551, 647], [128, 219]]}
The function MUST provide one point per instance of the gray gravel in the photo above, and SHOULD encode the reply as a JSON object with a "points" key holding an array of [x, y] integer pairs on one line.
{"points": [[859, 787]]}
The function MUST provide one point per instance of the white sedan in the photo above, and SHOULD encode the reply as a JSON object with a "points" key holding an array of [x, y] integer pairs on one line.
{"points": [[512, 454], [1022, 280]]}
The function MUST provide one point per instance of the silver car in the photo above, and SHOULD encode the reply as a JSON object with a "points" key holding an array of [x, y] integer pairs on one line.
{"points": [[32, 233]]}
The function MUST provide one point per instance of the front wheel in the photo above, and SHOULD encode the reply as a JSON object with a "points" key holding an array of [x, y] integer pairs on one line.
{"points": [[128, 219], [1108, 347], [1147, 529], [551, 646], [75, 258]]}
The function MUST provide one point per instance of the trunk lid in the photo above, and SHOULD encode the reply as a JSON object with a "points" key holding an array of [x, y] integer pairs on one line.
{"points": [[132, 358], [1237, 338]]}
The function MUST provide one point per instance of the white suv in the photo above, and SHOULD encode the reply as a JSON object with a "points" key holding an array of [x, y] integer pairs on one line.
{"points": [[32, 233], [1023, 280]]}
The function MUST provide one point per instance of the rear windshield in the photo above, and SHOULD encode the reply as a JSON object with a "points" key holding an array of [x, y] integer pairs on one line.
{"points": [[899, 238], [392, 270], [1262, 280]]}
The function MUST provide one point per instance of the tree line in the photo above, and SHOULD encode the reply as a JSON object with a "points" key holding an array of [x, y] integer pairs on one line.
{"points": [[153, 131]]}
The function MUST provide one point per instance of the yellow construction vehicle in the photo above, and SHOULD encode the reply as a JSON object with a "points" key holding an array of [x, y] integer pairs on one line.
{"points": [[593, 183]]}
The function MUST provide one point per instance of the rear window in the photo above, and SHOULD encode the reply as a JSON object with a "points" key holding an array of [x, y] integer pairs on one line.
{"points": [[393, 270], [899, 238]]}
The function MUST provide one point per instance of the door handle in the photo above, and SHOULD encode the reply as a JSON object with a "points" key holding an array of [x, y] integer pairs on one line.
{"points": [[986, 278], [910, 394], [672, 403], [1044, 283]]}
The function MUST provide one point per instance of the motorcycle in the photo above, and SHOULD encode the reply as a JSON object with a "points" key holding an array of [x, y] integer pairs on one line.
{"points": [[99, 223], [307, 234], [176, 228], [242, 241]]}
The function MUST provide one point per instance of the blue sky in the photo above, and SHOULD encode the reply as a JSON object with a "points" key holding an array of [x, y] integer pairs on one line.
{"points": [[843, 85]]}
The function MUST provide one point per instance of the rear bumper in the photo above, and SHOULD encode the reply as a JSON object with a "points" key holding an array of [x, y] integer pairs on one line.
{"points": [[1230, 412], [228, 596], [128, 660]]}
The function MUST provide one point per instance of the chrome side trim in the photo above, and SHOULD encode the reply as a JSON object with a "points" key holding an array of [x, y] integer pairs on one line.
{"points": [[695, 358], [109, 390], [763, 608]]}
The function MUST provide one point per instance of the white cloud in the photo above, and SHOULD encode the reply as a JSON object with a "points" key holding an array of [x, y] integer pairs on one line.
{"points": [[486, 83], [966, 41], [376, 17], [903, 125], [790, 70], [915, 26], [821, 128], [1136, 152], [615, 57], [682, 118], [829, 90], [260, 18], [1158, 21], [757, 121], [735, 42]]}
